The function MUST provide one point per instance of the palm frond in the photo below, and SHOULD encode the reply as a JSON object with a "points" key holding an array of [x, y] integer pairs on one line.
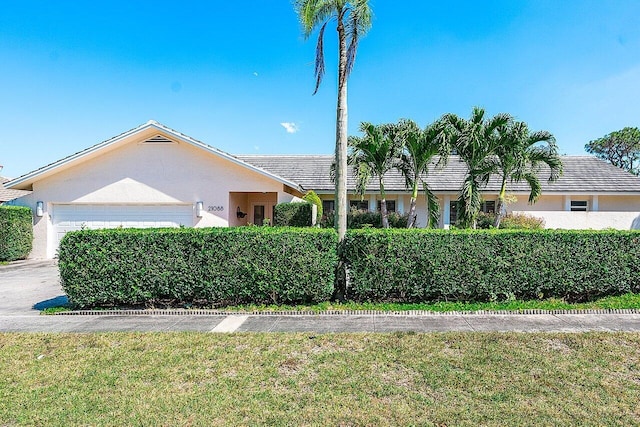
{"points": [[319, 70]]}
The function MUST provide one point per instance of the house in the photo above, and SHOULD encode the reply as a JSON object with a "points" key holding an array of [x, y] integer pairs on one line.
{"points": [[7, 194], [154, 176]]}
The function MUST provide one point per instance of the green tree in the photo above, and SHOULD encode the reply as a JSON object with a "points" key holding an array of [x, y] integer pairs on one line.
{"points": [[373, 154], [620, 148], [474, 140], [418, 150], [519, 154], [353, 20]]}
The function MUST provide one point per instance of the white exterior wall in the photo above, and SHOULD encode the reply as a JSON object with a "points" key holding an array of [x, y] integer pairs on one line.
{"points": [[138, 173], [588, 220]]}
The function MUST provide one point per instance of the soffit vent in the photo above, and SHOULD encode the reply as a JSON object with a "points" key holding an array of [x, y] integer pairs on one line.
{"points": [[158, 139]]}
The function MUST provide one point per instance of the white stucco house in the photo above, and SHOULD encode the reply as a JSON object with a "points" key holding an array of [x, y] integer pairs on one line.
{"points": [[154, 176]]}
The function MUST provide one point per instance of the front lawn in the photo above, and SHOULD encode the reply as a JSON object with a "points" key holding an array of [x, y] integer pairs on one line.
{"points": [[333, 379]]}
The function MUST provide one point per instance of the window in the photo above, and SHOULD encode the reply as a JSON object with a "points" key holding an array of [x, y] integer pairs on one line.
{"points": [[328, 206], [359, 205], [453, 212], [579, 205], [391, 205], [489, 207]]}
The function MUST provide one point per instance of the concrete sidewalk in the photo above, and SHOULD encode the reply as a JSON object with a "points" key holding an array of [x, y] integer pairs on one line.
{"points": [[26, 287], [322, 323]]}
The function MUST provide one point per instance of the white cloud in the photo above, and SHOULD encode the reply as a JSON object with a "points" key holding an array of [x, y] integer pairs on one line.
{"points": [[290, 127], [255, 73]]}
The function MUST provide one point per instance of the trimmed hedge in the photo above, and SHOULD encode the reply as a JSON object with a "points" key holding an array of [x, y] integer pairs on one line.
{"points": [[16, 232], [293, 214], [490, 265], [366, 219], [217, 266]]}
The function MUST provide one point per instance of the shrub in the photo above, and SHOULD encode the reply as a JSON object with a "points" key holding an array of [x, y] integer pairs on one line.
{"points": [[313, 198], [16, 232], [510, 221], [293, 214], [365, 219], [217, 266], [490, 265]]}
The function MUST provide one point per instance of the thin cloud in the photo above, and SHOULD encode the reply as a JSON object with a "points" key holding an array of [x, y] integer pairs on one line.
{"points": [[290, 127]]}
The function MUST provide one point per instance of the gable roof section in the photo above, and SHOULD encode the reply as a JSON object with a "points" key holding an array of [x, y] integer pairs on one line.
{"points": [[582, 174], [26, 180], [7, 195]]}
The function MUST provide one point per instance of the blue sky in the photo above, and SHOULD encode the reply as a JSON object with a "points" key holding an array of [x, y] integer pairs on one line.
{"points": [[232, 73]]}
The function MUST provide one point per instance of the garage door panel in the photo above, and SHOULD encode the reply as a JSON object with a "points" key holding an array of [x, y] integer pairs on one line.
{"points": [[76, 217]]}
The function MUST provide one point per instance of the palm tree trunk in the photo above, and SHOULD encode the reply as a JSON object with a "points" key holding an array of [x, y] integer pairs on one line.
{"points": [[341, 136], [383, 206], [411, 223], [500, 205]]}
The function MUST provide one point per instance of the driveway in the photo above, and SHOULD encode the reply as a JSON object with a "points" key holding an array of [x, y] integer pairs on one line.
{"points": [[26, 287]]}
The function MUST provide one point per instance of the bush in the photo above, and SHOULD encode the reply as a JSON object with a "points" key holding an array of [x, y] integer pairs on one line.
{"points": [[510, 222], [490, 265], [365, 219], [293, 214], [216, 266], [16, 232], [313, 198]]}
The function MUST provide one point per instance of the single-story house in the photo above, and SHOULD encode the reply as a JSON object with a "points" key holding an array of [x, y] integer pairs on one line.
{"points": [[154, 176]]}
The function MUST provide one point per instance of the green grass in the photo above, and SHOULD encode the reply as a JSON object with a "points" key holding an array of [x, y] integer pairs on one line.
{"points": [[617, 302], [462, 379]]}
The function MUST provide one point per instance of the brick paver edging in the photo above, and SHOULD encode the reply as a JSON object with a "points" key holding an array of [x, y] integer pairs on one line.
{"points": [[408, 313]]}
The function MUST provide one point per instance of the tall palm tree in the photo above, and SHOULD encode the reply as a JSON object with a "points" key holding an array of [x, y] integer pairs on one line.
{"points": [[418, 150], [519, 155], [353, 20], [373, 154], [475, 141]]}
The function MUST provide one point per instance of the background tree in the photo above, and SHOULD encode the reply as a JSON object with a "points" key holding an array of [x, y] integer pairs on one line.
{"points": [[418, 150], [474, 140], [373, 154], [519, 155], [353, 20], [620, 148]]}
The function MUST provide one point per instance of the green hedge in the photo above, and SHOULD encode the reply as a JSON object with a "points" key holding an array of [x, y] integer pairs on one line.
{"points": [[366, 219], [293, 214], [490, 265], [216, 266], [16, 232], [312, 197]]}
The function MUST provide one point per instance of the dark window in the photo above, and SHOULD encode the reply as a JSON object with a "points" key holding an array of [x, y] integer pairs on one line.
{"points": [[391, 205], [489, 207], [453, 212], [359, 205], [579, 205], [328, 206]]}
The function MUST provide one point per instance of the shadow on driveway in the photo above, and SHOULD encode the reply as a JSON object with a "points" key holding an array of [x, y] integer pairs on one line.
{"points": [[53, 302]]}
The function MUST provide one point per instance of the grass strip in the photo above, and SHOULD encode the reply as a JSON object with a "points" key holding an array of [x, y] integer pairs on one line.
{"points": [[195, 379]]}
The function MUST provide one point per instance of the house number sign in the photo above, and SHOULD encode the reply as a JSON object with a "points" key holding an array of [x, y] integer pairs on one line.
{"points": [[215, 208]]}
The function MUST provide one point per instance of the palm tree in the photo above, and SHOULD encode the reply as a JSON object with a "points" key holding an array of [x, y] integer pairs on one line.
{"points": [[418, 149], [475, 141], [519, 154], [373, 154], [353, 20]]}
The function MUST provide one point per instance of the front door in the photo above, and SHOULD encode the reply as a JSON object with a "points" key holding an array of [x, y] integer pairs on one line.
{"points": [[262, 211]]}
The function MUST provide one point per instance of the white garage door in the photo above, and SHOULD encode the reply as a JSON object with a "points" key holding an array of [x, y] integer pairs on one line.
{"points": [[76, 217]]}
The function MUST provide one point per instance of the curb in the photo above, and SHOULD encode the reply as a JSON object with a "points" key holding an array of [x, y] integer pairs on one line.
{"points": [[408, 313]]}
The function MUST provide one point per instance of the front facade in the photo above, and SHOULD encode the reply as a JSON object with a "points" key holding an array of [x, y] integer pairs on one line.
{"points": [[153, 176]]}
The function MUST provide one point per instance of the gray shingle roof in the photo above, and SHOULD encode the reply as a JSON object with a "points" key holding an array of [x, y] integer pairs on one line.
{"points": [[581, 174], [6, 195]]}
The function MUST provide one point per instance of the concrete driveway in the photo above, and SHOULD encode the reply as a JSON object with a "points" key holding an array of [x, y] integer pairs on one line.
{"points": [[27, 287]]}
